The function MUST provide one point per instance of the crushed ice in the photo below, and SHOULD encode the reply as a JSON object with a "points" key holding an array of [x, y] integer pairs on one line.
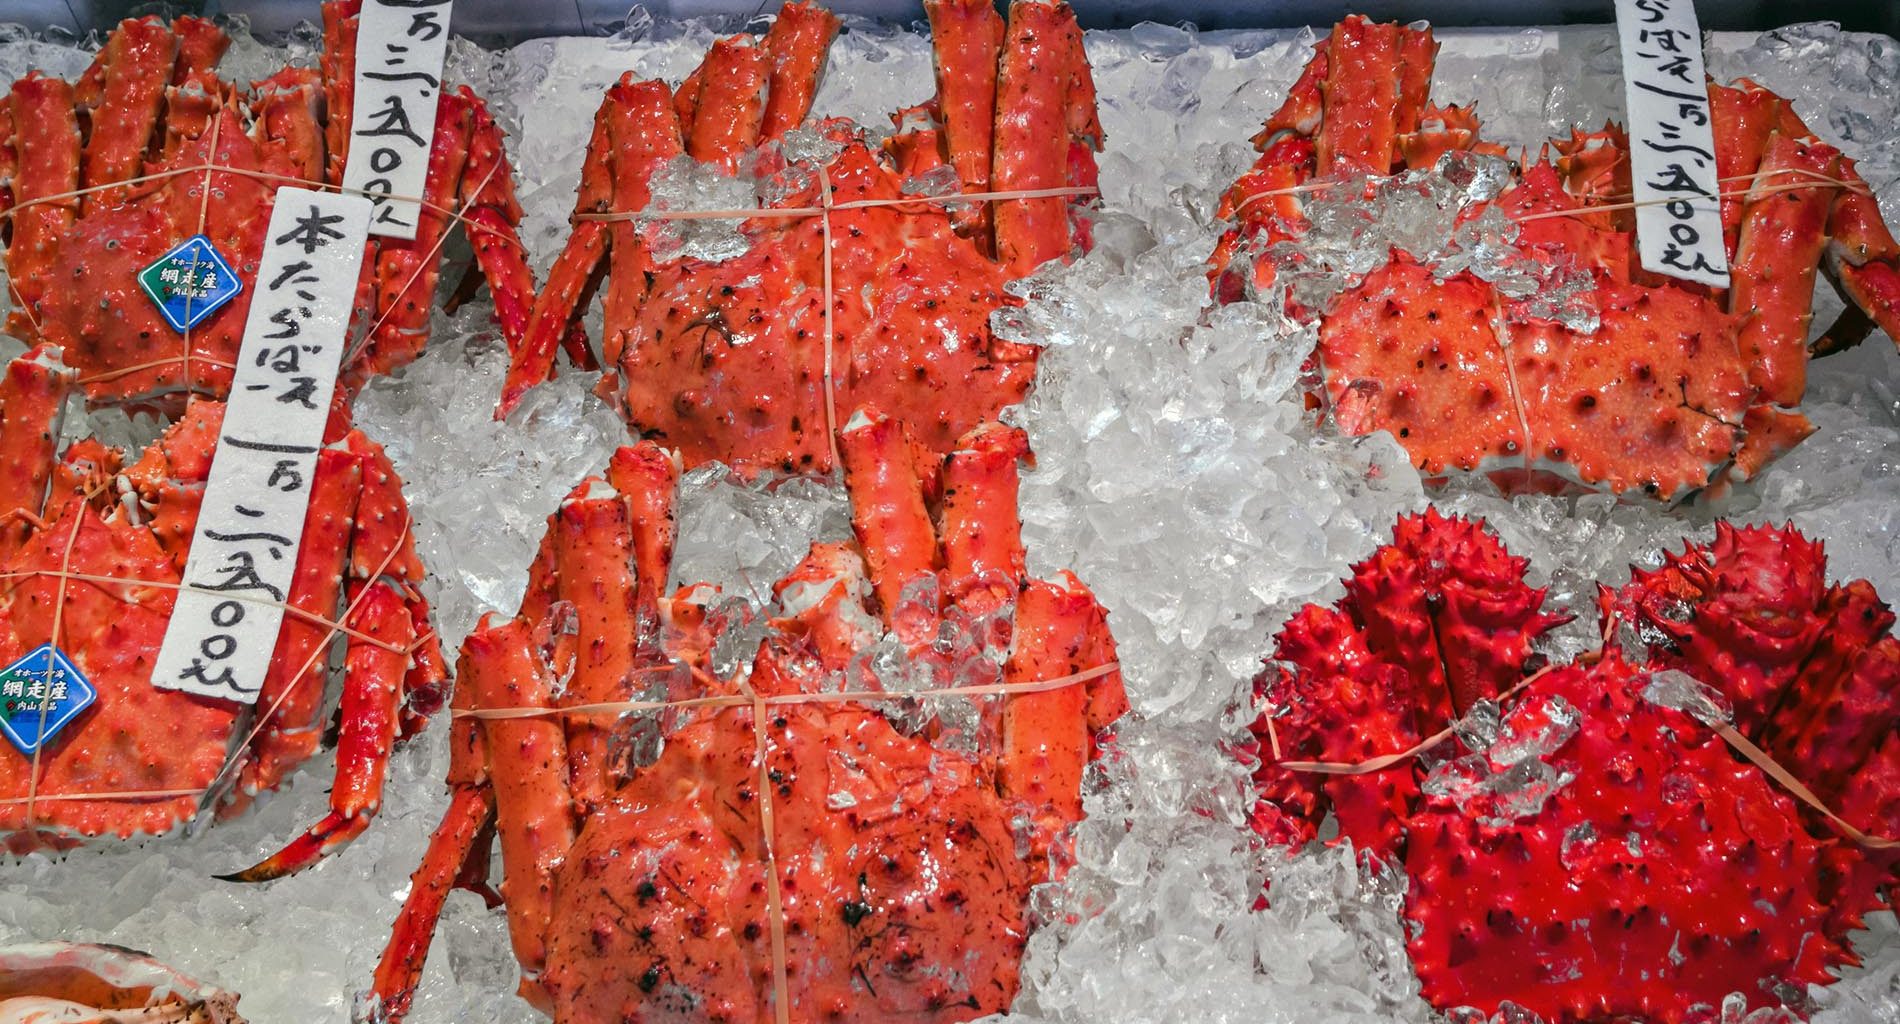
{"points": [[1507, 779], [1180, 477]]}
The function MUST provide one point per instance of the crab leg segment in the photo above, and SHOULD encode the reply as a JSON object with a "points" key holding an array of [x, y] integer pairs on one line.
{"points": [[1779, 247], [338, 63], [980, 483], [594, 576], [1043, 86], [723, 103], [136, 66], [887, 507], [47, 129], [967, 43], [797, 46], [32, 392], [647, 477]]}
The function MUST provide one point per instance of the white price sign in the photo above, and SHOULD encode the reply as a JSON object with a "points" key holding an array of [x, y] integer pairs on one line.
{"points": [[244, 553], [1672, 142], [400, 45]]}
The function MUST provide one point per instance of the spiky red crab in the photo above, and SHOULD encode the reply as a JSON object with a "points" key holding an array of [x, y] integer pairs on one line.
{"points": [[152, 103], [1594, 850], [76, 983], [1648, 384], [726, 359], [124, 522], [642, 887]]}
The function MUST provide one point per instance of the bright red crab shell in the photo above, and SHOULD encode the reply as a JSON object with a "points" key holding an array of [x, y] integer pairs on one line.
{"points": [[151, 103], [640, 886], [1671, 389], [1606, 854], [727, 360], [142, 760]]}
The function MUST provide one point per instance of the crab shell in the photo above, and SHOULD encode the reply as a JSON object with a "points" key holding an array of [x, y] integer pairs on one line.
{"points": [[150, 103], [101, 513], [727, 360], [897, 868], [75, 983], [1609, 855], [1677, 389]]}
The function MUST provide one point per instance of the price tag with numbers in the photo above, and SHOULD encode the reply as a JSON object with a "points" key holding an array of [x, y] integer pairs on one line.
{"points": [[400, 45], [1672, 142], [244, 553]]}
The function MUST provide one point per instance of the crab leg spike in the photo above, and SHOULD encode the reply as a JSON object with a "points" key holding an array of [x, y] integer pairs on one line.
{"points": [[1046, 734], [32, 392], [593, 557], [967, 42], [887, 504], [1031, 143], [730, 104], [450, 851], [1782, 237], [527, 759], [47, 128], [980, 530], [797, 45], [372, 684], [138, 66], [491, 214], [647, 477]]}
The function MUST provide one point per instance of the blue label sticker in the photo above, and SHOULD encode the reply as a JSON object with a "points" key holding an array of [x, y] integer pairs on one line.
{"points": [[40, 694], [190, 283]]}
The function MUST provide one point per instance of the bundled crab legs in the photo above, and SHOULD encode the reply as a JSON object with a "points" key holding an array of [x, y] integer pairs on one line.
{"points": [[790, 853], [93, 544], [101, 177], [1617, 838], [1659, 387], [859, 285]]}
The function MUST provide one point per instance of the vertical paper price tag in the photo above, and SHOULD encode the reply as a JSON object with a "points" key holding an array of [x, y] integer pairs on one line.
{"points": [[1672, 142], [400, 45], [244, 553]]}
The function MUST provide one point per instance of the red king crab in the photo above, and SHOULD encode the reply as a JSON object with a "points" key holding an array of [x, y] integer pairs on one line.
{"points": [[727, 359], [1595, 850], [123, 522], [152, 103], [1664, 389], [73, 983], [640, 891]]}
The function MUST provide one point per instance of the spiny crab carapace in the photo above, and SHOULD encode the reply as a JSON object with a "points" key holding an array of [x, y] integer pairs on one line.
{"points": [[1659, 386], [726, 359], [123, 522], [1587, 846], [642, 887], [85, 214]]}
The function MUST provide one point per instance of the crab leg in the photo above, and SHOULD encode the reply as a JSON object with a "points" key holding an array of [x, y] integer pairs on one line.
{"points": [[635, 131], [338, 65], [1038, 84], [488, 201], [136, 66], [449, 861], [797, 46], [966, 44], [1780, 243], [980, 483], [46, 127], [201, 44], [647, 477], [32, 392], [528, 772], [721, 121], [888, 514], [1864, 261], [594, 575], [372, 685]]}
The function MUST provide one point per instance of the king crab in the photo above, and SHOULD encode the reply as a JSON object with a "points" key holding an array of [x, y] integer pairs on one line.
{"points": [[897, 862], [124, 522], [1662, 388], [151, 103], [727, 360], [1590, 847]]}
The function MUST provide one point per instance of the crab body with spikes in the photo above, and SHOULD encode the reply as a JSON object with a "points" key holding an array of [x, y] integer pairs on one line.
{"points": [[100, 178], [78, 983], [728, 360], [1673, 388], [885, 870], [93, 546], [1587, 846]]}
